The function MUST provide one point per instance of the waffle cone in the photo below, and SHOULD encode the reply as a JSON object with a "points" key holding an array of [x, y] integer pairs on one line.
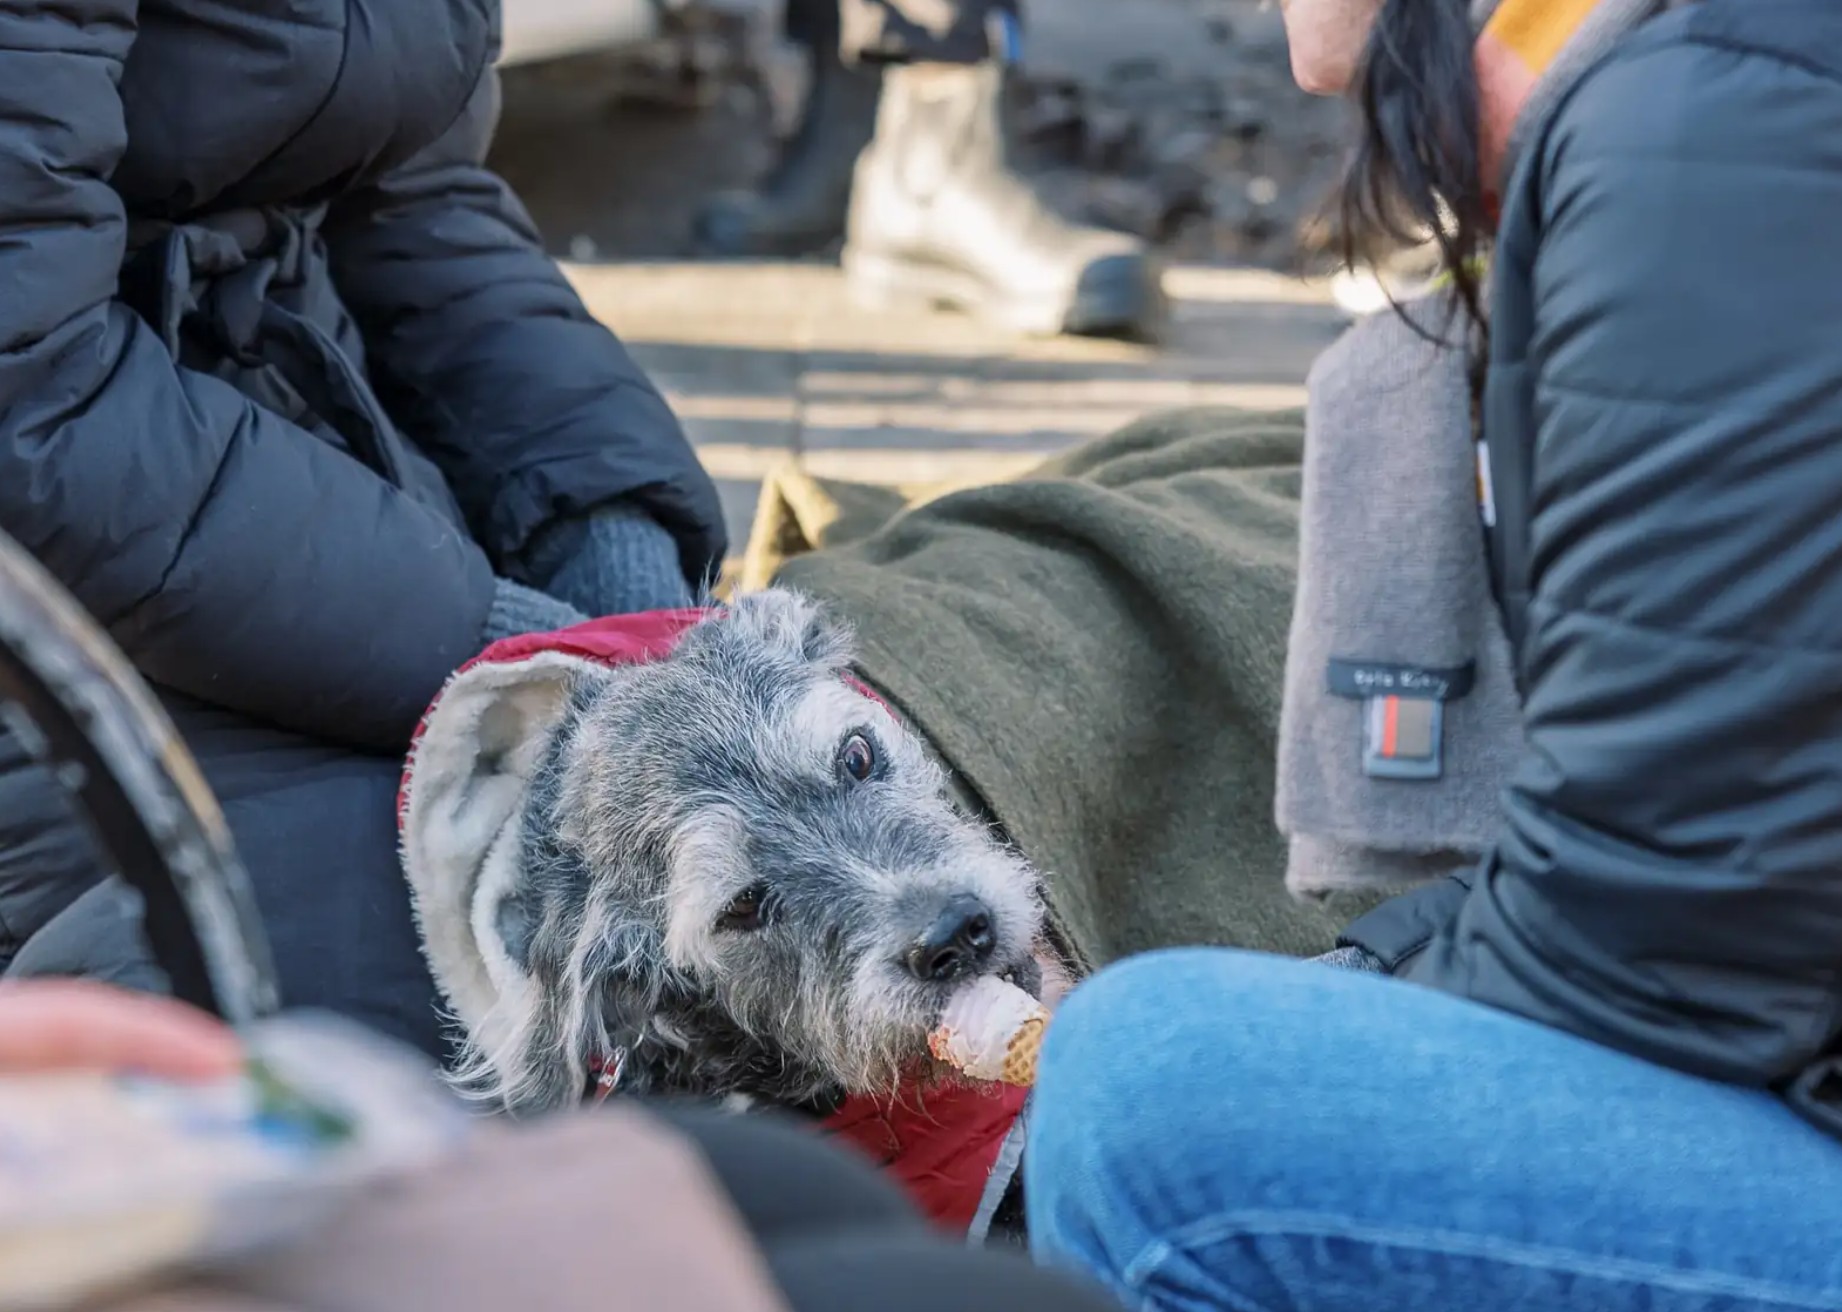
{"points": [[992, 1030], [1025, 1050]]}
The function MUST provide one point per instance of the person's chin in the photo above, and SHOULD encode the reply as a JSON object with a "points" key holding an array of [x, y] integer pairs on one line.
{"points": [[1311, 81]]}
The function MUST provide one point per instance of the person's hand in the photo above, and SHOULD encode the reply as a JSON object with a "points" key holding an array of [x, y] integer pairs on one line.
{"points": [[79, 1025]]}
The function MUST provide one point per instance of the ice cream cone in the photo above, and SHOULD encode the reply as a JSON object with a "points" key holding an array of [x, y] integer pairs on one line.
{"points": [[1025, 1050], [992, 1031]]}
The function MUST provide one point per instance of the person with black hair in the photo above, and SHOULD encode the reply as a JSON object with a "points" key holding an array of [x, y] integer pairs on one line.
{"points": [[1565, 658]]}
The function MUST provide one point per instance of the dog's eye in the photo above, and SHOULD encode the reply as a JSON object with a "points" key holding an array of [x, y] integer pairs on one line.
{"points": [[857, 758], [746, 912]]}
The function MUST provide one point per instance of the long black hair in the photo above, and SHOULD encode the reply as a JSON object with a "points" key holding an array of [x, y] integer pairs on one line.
{"points": [[1416, 165]]}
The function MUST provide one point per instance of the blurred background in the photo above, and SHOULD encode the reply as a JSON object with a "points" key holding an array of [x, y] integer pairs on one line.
{"points": [[1174, 120]]}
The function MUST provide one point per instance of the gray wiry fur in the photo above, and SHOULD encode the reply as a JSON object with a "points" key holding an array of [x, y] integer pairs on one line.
{"points": [[670, 788]]}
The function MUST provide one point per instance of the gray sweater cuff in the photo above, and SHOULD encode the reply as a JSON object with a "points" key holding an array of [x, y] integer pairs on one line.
{"points": [[517, 610], [616, 561]]}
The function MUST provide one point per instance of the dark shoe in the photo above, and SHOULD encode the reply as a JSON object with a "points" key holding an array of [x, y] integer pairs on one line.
{"points": [[939, 214], [799, 207]]}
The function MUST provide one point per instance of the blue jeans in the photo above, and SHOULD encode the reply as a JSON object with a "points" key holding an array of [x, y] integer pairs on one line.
{"points": [[1227, 1130]]}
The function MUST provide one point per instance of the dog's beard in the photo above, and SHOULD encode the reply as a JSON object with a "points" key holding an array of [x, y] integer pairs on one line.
{"points": [[858, 1031], [839, 1015], [855, 1018], [834, 1027], [884, 1048], [839, 1028]]}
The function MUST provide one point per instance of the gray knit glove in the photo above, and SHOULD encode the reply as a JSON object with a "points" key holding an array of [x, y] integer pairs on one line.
{"points": [[617, 560], [517, 610]]}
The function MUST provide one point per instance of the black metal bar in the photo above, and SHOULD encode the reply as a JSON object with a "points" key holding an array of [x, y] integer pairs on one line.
{"points": [[82, 712]]}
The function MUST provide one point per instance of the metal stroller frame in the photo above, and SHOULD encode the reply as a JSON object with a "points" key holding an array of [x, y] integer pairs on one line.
{"points": [[72, 698]]}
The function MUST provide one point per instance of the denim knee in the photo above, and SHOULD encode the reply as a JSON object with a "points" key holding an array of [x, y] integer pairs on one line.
{"points": [[1224, 1129], [1117, 1002], [1112, 1067], [1171, 1054]]}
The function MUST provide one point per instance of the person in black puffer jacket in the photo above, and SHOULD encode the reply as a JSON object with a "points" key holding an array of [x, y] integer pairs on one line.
{"points": [[295, 404]]}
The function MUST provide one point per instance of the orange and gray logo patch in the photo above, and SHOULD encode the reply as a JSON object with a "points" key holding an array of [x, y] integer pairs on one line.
{"points": [[1401, 737], [1403, 713]]}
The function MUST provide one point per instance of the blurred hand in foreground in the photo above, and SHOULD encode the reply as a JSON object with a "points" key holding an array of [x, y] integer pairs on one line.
{"points": [[72, 1024]]}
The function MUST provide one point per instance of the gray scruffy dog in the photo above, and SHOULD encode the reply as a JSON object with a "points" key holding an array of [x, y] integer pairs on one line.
{"points": [[730, 871]]}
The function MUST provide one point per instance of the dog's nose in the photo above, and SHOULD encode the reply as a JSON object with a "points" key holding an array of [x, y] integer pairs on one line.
{"points": [[958, 943]]}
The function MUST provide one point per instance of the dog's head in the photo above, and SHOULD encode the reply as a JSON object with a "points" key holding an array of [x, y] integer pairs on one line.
{"points": [[731, 869]]}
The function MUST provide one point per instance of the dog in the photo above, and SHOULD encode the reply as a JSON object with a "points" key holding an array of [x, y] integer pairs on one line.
{"points": [[708, 863]]}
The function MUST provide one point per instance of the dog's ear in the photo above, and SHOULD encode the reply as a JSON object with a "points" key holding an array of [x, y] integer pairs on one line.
{"points": [[792, 625], [463, 802]]}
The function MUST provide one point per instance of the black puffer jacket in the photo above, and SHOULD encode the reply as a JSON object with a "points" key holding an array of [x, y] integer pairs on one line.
{"points": [[1664, 420], [284, 375]]}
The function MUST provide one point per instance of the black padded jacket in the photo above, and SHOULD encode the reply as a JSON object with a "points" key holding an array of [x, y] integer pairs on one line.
{"points": [[1663, 415], [284, 373]]}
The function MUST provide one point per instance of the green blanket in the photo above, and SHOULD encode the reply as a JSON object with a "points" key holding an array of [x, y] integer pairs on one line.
{"points": [[1095, 648]]}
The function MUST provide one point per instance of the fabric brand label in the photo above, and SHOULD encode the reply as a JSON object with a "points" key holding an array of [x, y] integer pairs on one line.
{"points": [[1363, 679]]}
